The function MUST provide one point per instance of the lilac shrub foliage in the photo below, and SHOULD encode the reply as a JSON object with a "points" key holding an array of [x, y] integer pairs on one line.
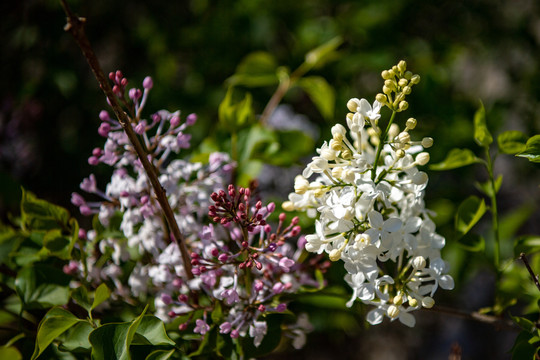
{"points": [[242, 266]]}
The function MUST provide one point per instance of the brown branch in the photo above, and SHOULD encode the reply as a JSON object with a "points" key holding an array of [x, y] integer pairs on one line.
{"points": [[75, 25], [497, 322], [534, 277]]}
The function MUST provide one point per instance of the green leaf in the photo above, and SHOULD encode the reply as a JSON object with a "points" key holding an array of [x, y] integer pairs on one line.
{"points": [[151, 331], [481, 132], [321, 93], [456, 158], [256, 69], [10, 240], [10, 353], [54, 324], [469, 213], [323, 54], [512, 142], [37, 214], [485, 187], [522, 349], [42, 286], [526, 244], [235, 115], [80, 295], [524, 323], [160, 354], [532, 149], [76, 338], [102, 294], [472, 242], [112, 341]]}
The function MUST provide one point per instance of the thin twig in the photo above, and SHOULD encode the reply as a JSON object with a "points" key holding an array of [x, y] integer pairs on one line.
{"points": [[534, 277], [75, 25], [498, 322]]}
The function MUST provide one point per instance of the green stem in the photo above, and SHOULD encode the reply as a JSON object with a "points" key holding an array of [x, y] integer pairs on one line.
{"points": [[494, 212], [381, 144]]}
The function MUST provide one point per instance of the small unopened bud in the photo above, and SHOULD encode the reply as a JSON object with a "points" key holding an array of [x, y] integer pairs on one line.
{"points": [[415, 79], [400, 153], [398, 300], [412, 302], [335, 144], [402, 66], [393, 311], [411, 123], [287, 206], [427, 142], [419, 263], [148, 83], [403, 106], [381, 98], [406, 90], [404, 137], [428, 302], [335, 255], [352, 104], [393, 131], [422, 158], [386, 90], [386, 75], [402, 82]]}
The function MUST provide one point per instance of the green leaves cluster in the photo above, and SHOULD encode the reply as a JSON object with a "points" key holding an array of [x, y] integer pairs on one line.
{"points": [[514, 282]]}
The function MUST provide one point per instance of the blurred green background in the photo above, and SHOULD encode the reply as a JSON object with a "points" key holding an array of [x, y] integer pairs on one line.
{"points": [[465, 51]]}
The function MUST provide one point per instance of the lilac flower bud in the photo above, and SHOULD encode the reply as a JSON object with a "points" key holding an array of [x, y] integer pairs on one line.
{"points": [[282, 217], [196, 271], [270, 207], [93, 160], [235, 334], [104, 116], [148, 83], [77, 199], [295, 230], [183, 298], [223, 258], [278, 288], [301, 243], [191, 119], [214, 252], [104, 129], [82, 234], [262, 308], [97, 152], [225, 328], [175, 121], [272, 247], [135, 94], [177, 283], [281, 307], [182, 326], [140, 128], [166, 298], [267, 229], [85, 210], [156, 118], [258, 285]]}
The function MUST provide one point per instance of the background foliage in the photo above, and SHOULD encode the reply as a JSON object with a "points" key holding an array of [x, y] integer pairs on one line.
{"points": [[464, 50]]}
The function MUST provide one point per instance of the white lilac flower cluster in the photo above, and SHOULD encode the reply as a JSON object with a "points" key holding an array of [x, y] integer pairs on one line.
{"points": [[240, 267], [368, 197]]}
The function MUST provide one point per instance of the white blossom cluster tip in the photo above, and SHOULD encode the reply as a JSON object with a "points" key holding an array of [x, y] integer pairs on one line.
{"points": [[368, 198]]}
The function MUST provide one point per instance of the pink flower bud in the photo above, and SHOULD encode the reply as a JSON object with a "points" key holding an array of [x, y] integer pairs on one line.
{"points": [[104, 129], [191, 119], [104, 116], [175, 121], [148, 83]]}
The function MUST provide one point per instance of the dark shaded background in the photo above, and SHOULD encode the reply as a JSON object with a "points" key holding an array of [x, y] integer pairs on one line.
{"points": [[465, 51]]}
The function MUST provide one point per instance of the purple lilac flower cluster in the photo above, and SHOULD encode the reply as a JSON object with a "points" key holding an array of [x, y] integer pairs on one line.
{"points": [[240, 263], [245, 265]]}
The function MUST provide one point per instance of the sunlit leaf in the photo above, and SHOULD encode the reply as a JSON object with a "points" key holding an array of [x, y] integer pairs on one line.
{"points": [[324, 53], [512, 142], [482, 135], [55, 323], [256, 69], [469, 213], [532, 149], [456, 158], [321, 93]]}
